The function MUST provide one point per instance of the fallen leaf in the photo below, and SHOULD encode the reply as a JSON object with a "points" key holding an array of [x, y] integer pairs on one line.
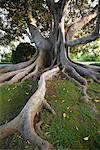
{"points": [[64, 115], [97, 101], [46, 125], [64, 89], [14, 87], [67, 107], [9, 100], [63, 101], [26, 93], [54, 95], [26, 146], [47, 133], [77, 128], [86, 138], [8, 89]]}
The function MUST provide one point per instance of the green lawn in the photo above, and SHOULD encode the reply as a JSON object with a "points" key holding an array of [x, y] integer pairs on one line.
{"points": [[12, 99], [74, 126]]}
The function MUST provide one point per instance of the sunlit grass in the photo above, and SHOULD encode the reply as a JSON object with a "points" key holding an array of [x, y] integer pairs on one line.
{"points": [[73, 123], [79, 122]]}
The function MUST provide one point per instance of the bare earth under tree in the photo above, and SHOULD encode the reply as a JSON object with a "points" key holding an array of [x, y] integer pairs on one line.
{"points": [[52, 57]]}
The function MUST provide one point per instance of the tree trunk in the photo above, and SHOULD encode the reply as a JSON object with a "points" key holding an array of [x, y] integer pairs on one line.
{"points": [[53, 56]]}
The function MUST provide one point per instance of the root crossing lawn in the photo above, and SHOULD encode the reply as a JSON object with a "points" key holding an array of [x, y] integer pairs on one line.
{"points": [[74, 126]]}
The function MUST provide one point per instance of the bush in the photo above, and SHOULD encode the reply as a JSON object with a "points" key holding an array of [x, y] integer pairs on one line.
{"points": [[23, 52]]}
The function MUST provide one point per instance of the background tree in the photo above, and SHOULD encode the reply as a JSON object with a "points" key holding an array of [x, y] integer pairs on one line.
{"points": [[23, 52], [52, 56]]}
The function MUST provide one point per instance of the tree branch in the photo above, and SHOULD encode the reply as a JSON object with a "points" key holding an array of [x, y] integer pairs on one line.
{"points": [[51, 5], [98, 19], [83, 40], [35, 37], [74, 28], [56, 9], [29, 14], [90, 38]]}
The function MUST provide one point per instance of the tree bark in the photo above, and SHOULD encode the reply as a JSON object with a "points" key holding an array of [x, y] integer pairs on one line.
{"points": [[51, 53]]}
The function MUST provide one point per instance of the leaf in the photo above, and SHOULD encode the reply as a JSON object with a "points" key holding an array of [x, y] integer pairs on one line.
{"points": [[14, 87], [64, 115], [97, 101], [63, 101], [68, 108], [86, 138], [26, 146], [26, 93], [64, 89], [8, 89], [47, 133], [46, 125], [9, 100], [77, 128]]}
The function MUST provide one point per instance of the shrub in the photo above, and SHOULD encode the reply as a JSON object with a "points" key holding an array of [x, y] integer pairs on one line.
{"points": [[23, 52]]}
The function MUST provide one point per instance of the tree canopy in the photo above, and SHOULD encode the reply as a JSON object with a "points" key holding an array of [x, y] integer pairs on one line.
{"points": [[13, 16]]}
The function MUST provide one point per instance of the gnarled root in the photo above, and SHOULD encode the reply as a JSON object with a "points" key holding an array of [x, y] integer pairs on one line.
{"points": [[14, 67], [22, 74], [24, 123], [77, 72]]}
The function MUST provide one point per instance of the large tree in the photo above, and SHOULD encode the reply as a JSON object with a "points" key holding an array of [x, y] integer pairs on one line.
{"points": [[51, 57]]}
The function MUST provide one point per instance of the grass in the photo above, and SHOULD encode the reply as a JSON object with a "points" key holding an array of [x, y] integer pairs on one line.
{"points": [[12, 99], [73, 122]]}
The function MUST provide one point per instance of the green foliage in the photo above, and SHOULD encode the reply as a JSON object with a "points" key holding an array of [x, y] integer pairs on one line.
{"points": [[23, 52], [87, 52], [89, 57], [6, 58]]}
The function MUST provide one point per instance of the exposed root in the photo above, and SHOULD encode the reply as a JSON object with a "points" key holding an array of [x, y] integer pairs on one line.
{"points": [[38, 126], [74, 74], [15, 76], [9, 128], [48, 107], [77, 72], [14, 67], [89, 72], [24, 123], [92, 67], [82, 88], [22, 74], [25, 73], [31, 74]]}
